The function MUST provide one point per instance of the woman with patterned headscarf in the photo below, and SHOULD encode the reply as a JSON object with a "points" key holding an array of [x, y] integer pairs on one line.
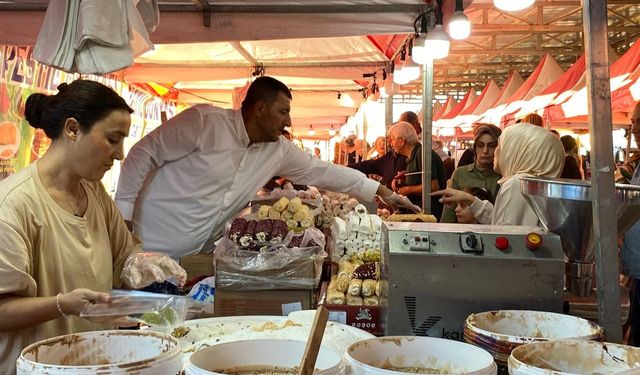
{"points": [[523, 150]]}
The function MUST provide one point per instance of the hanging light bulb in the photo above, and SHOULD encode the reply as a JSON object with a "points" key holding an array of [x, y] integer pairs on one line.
{"points": [[459, 25], [437, 43], [332, 131], [410, 69], [311, 131], [387, 89], [399, 75], [346, 100], [513, 5], [419, 54]]}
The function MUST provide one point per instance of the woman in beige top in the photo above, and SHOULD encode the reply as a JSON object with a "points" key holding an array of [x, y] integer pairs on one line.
{"points": [[63, 243]]}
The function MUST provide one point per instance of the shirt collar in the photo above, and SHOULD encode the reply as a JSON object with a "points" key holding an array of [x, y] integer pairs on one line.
{"points": [[240, 128], [486, 173]]}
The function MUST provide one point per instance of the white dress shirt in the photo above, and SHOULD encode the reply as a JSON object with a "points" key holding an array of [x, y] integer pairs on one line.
{"points": [[182, 182]]}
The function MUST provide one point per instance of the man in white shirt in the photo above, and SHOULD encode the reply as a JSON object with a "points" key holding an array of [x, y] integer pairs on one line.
{"points": [[182, 182]]}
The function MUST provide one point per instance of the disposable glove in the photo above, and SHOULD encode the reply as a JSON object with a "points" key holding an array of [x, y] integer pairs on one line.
{"points": [[142, 269], [397, 201]]}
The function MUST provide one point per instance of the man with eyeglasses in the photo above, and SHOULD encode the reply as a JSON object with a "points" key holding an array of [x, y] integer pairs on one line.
{"points": [[631, 247]]}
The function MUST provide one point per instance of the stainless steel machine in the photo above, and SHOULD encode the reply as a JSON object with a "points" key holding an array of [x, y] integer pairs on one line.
{"points": [[440, 273], [564, 207]]}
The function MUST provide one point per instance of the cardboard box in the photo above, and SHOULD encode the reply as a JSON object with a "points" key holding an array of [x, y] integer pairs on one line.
{"points": [[262, 302], [198, 265]]}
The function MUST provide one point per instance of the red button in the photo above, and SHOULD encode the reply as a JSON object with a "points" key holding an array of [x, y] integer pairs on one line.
{"points": [[502, 243], [534, 241]]}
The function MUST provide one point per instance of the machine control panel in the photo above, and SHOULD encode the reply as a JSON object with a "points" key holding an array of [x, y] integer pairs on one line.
{"points": [[471, 240]]}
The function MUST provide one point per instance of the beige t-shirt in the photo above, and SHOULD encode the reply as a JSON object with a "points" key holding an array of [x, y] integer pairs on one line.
{"points": [[45, 250]]}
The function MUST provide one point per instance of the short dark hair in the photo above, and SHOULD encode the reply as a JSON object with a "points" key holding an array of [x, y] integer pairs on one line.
{"points": [[86, 101], [480, 193], [466, 158], [266, 89], [412, 118]]}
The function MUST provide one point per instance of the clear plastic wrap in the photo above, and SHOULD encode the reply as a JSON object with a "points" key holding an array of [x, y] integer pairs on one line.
{"points": [[158, 310], [274, 267]]}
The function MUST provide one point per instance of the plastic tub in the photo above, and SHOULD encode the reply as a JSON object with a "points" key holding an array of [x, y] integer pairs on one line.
{"points": [[260, 353], [574, 357], [499, 332], [104, 352], [381, 355]]}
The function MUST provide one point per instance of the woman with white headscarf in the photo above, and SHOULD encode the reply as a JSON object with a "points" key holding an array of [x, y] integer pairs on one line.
{"points": [[523, 150]]}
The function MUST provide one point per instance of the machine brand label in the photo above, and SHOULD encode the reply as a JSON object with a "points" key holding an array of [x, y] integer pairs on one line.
{"points": [[425, 326], [452, 335]]}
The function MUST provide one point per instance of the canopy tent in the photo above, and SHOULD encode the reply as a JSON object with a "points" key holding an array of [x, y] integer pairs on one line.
{"points": [[545, 73], [448, 119], [446, 107], [320, 49], [625, 98], [483, 102], [574, 109], [493, 115], [565, 82]]}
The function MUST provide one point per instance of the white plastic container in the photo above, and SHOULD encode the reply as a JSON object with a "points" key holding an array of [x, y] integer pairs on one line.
{"points": [[104, 352], [260, 353], [574, 357], [499, 332], [377, 355]]}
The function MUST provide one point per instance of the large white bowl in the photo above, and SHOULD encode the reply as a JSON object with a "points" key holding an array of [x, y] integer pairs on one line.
{"points": [[372, 356], [574, 357], [499, 332], [276, 353], [104, 352]]}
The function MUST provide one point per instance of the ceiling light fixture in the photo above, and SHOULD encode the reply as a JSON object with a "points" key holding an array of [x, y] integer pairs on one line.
{"points": [[513, 5], [437, 42], [399, 76], [459, 25], [311, 131], [410, 68], [332, 131]]}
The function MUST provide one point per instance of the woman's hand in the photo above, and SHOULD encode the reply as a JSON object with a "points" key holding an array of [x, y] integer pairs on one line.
{"points": [[452, 197], [142, 269], [74, 302]]}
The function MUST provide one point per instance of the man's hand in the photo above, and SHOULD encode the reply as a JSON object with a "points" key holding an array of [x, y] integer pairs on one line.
{"points": [[395, 200]]}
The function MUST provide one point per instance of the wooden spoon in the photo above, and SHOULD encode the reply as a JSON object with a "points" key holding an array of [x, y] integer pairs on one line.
{"points": [[310, 355]]}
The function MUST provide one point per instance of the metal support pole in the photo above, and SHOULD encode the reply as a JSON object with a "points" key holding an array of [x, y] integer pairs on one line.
{"points": [[388, 111], [427, 99], [594, 13]]}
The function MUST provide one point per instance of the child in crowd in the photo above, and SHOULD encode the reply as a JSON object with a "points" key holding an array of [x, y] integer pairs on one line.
{"points": [[463, 213]]}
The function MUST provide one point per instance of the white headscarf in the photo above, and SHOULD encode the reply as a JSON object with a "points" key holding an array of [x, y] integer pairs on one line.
{"points": [[529, 150]]}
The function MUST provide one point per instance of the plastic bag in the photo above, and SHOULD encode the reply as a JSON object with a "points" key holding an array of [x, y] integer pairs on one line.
{"points": [[148, 308], [275, 267]]}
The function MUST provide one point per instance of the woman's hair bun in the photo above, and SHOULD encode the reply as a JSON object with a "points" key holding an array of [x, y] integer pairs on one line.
{"points": [[34, 108]]}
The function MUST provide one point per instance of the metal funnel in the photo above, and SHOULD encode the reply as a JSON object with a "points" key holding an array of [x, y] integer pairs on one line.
{"points": [[564, 207]]}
